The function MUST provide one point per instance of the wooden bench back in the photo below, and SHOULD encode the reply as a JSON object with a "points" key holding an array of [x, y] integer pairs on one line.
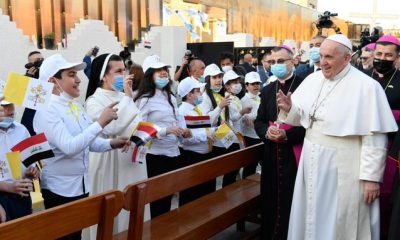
{"points": [[65, 219], [152, 189]]}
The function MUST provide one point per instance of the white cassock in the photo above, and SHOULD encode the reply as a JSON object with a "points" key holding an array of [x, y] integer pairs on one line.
{"points": [[345, 145], [114, 169]]}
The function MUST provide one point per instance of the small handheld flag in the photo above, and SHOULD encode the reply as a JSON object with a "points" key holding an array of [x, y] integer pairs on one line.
{"points": [[28, 92], [14, 161], [225, 134], [197, 121], [33, 149], [142, 134]]}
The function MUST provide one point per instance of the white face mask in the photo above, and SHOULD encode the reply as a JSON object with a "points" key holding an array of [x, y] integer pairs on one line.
{"points": [[226, 68], [62, 92], [236, 88]]}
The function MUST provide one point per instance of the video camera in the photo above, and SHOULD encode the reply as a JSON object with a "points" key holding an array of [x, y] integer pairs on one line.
{"points": [[324, 20], [189, 55], [366, 37], [36, 64]]}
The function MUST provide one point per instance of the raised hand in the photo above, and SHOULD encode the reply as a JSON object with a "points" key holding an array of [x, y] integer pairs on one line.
{"points": [[245, 110], [128, 80], [225, 102], [284, 102], [108, 114]]}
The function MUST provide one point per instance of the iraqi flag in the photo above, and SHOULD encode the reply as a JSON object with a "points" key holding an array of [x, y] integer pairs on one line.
{"points": [[33, 149], [143, 133], [198, 121]]}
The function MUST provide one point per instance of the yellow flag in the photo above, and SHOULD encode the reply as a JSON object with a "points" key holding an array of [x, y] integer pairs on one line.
{"points": [[14, 161], [15, 88], [28, 92], [225, 134]]}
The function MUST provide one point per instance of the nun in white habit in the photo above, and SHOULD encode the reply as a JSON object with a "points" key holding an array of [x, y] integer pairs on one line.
{"points": [[113, 169]]}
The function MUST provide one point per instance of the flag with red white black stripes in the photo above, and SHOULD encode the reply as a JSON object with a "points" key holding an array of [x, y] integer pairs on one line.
{"points": [[33, 149]]}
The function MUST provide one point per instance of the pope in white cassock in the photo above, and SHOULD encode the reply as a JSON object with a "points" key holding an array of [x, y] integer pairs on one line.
{"points": [[346, 116]]}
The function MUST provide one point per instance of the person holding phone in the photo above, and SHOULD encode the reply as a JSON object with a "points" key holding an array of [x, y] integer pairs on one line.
{"points": [[88, 59]]}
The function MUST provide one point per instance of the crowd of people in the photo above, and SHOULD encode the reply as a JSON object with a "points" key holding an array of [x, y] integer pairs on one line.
{"points": [[329, 128]]}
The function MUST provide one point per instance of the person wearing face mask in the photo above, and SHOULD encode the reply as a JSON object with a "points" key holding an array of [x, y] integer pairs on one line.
{"points": [[113, 169], [303, 70], [35, 60], [386, 53], [233, 87], [216, 105], [196, 70], [71, 134], [251, 99], [14, 193], [158, 105], [197, 148], [279, 165], [226, 61]]}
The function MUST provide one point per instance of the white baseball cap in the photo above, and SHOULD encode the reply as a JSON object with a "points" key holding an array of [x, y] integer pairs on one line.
{"points": [[252, 77], [212, 70], [4, 102], [187, 85], [230, 75], [153, 61], [55, 63]]}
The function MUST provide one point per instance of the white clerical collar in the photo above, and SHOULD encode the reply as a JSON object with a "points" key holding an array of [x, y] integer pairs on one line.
{"points": [[342, 73]]}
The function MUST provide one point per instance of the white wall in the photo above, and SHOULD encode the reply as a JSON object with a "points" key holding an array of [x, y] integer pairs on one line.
{"points": [[15, 47]]}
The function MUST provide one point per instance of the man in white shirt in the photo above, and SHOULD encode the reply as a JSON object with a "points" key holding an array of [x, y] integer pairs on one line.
{"points": [[71, 134], [347, 118], [197, 148]]}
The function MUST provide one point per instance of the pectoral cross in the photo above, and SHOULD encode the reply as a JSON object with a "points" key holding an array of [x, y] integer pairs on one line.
{"points": [[312, 120]]}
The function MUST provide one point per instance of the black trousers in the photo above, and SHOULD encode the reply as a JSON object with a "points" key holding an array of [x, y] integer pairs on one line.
{"points": [[228, 178], [188, 195], [251, 169], [53, 200], [157, 165], [15, 205]]}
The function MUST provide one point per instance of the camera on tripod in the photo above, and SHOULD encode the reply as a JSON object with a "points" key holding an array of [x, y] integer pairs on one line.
{"points": [[366, 37], [324, 20]]}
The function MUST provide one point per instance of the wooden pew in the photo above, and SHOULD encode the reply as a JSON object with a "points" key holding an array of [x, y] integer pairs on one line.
{"points": [[203, 217], [65, 219]]}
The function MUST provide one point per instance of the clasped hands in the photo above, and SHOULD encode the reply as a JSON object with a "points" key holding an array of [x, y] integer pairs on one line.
{"points": [[275, 134]]}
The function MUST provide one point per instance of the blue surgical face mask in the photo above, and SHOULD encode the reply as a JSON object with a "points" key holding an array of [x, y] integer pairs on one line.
{"points": [[7, 123], [118, 85], [202, 79], [199, 100], [216, 89], [279, 70], [314, 54], [161, 82]]}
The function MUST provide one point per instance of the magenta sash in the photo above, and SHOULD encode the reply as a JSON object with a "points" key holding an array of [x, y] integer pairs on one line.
{"points": [[296, 148], [396, 115]]}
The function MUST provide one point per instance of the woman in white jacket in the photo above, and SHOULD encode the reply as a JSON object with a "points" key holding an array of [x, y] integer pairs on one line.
{"points": [[113, 169]]}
